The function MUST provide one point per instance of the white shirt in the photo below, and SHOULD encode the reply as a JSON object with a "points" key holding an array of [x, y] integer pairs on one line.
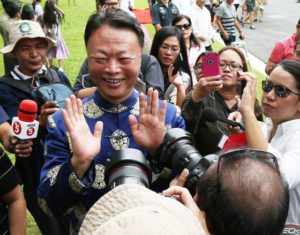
{"points": [[125, 4], [38, 11], [285, 145], [193, 54], [201, 21], [184, 6]]}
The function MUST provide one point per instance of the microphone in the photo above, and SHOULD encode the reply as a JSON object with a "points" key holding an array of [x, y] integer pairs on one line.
{"points": [[25, 126], [210, 115]]}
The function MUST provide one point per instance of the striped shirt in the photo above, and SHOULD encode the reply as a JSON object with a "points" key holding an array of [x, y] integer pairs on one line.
{"points": [[227, 13]]}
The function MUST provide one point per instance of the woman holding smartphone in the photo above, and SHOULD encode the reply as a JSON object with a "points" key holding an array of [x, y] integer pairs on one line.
{"points": [[281, 132], [219, 93], [169, 49]]}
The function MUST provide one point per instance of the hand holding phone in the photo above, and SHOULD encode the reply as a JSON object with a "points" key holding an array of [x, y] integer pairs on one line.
{"points": [[177, 64], [241, 83], [210, 64]]}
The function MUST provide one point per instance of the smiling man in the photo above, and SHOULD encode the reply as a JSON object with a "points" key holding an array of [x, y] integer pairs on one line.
{"points": [[73, 176]]}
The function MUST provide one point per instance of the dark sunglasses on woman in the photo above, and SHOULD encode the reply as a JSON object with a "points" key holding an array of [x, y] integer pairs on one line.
{"points": [[279, 90], [183, 26]]}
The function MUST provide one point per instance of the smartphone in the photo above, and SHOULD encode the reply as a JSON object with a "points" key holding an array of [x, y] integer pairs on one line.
{"points": [[210, 64], [177, 64], [240, 84]]}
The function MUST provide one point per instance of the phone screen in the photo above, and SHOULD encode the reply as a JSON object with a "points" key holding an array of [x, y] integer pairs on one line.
{"points": [[177, 64], [210, 64]]}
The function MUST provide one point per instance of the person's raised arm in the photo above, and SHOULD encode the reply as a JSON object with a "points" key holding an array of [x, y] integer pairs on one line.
{"points": [[254, 134], [81, 136]]}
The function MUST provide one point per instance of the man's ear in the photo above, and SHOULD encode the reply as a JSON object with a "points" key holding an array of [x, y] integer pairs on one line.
{"points": [[13, 54]]}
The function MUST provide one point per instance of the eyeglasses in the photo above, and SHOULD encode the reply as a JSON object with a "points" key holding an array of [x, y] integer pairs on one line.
{"points": [[168, 48], [232, 66], [250, 153], [198, 67], [279, 90], [183, 26]]}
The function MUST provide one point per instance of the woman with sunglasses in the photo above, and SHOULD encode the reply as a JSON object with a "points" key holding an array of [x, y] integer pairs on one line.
{"points": [[169, 49], [281, 133], [218, 93], [193, 46]]}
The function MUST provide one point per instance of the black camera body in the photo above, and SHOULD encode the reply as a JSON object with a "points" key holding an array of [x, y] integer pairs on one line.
{"points": [[176, 152]]}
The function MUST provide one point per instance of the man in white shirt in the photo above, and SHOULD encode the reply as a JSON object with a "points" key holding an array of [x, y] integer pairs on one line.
{"points": [[201, 21], [127, 5], [184, 6]]}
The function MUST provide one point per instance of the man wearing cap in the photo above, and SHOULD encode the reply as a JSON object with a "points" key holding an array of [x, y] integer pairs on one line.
{"points": [[72, 178], [29, 45]]}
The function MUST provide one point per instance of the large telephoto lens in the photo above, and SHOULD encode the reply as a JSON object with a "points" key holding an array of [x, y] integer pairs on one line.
{"points": [[177, 152], [127, 166]]}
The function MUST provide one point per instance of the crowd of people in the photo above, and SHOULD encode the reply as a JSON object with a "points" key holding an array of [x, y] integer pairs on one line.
{"points": [[124, 97]]}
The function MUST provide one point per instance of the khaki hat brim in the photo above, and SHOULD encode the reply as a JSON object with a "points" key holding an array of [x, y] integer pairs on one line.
{"points": [[9, 48], [117, 207]]}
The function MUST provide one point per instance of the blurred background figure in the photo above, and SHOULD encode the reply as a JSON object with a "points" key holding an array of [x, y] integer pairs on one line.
{"points": [[12, 14], [27, 12], [52, 19], [297, 51], [169, 49], [38, 11], [192, 44]]}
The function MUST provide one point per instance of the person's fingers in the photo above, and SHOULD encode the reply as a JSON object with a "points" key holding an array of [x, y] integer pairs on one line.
{"points": [[142, 104], [80, 109], [149, 100], [163, 111], [75, 107], [155, 103], [181, 179], [69, 109], [133, 123], [98, 130], [67, 120]]}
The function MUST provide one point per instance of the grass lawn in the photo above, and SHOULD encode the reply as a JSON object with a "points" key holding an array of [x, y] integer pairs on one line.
{"points": [[73, 30]]}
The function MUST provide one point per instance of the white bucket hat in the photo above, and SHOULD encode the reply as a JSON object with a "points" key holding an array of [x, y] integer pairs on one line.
{"points": [[136, 210], [25, 29]]}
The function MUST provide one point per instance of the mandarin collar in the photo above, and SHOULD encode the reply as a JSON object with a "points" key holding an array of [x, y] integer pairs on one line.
{"points": [[110, 107]]}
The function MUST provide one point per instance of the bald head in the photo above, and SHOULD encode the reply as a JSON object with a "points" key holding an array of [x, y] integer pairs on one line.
{"points": [[247, 197]]}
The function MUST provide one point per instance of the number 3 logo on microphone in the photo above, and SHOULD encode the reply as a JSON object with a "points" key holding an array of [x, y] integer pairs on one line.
{"points": [[17, 128], [30, 131]]}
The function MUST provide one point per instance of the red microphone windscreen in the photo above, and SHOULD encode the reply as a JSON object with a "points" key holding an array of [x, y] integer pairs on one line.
{"points": [[235, 141], [27, 111]]}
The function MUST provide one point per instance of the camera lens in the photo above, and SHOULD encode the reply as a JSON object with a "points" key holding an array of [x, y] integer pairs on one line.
{"points": [[210, 61], [127, 166], [177, 152]]}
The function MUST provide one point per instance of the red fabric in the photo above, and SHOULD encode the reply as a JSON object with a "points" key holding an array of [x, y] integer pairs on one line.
{"points": [[235, 141], [143, 15]]}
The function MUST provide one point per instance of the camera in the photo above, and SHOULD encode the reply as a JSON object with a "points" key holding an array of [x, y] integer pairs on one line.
{"points": [[177, 152], [127, 166]]}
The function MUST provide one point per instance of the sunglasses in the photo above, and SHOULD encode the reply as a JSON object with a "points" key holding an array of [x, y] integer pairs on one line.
{"points": [[250, 153], [183, 26], [279, 90]]}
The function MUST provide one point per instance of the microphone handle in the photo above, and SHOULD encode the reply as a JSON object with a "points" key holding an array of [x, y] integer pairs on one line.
{"points": [[229, 122]]}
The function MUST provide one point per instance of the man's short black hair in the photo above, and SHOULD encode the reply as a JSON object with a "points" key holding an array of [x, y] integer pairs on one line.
{"points": [[247, 197], [116, 18]]}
